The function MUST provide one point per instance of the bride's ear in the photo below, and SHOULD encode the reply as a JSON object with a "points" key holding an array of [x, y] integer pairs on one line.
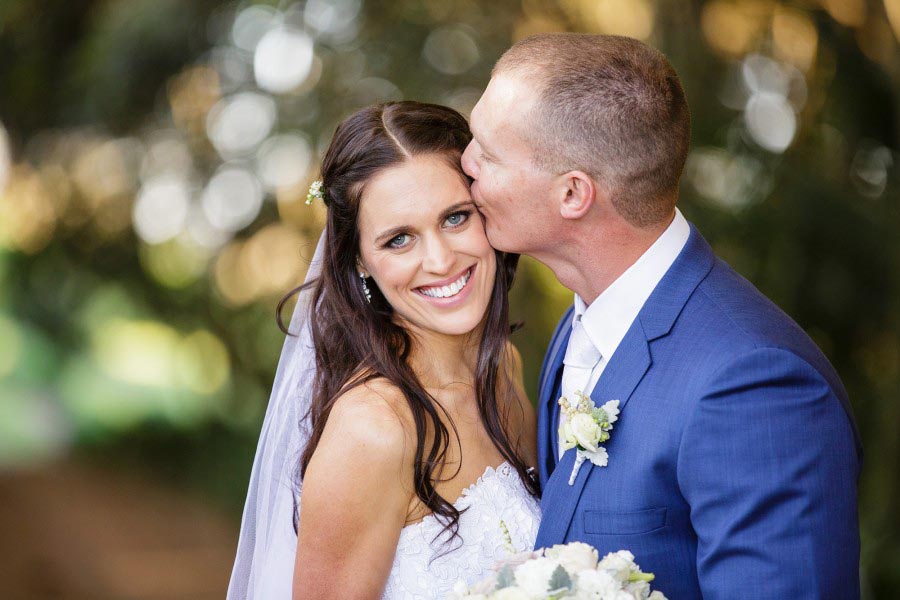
{"points": [[578, 194], [360, 269]]}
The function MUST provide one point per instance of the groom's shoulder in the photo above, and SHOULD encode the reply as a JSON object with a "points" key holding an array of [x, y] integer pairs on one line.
{"points": [[733, 312], [744, 309]]}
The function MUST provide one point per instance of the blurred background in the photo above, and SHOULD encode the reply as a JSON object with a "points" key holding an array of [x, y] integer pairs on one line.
{"points": [[154, 161]]}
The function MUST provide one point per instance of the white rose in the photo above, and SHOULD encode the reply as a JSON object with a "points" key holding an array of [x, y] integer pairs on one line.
{"points": [[567, 440], [534, 576], [618, 564], [586, 431], [639, 589], [596, 585], [657, 596], [574, 557]]}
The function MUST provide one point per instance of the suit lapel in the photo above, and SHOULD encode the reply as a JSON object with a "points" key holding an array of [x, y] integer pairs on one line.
{"points": [[627, 367], [547, 396], [621, 376]]}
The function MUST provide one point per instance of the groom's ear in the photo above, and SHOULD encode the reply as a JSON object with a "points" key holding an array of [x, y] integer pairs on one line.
{"points": [[578, 195]]}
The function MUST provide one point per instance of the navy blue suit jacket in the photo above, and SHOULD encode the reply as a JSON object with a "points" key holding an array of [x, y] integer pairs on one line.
{"points": [[733, 466]]}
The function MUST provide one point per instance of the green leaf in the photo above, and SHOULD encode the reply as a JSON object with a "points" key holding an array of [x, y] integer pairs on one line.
{"points": [[505, 578], [560, 581]]}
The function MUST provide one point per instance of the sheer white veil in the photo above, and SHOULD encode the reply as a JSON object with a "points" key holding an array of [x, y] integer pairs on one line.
{"points": [[264, 566]]}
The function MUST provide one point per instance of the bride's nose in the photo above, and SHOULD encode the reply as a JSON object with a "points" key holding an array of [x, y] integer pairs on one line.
{"points": [[439, 257]]}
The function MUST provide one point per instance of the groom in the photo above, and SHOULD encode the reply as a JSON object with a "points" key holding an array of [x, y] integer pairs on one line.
{"points": [[733, 465]]}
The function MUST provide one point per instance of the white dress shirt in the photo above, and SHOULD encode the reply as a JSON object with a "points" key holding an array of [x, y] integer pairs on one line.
{"points": [[610, 315]]}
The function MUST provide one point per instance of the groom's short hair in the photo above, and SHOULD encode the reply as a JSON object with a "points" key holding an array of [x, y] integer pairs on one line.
{"points": [[610, 106]]}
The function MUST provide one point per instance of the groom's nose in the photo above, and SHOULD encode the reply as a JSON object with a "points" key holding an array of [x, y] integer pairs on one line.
{"points": [[469, 165]]}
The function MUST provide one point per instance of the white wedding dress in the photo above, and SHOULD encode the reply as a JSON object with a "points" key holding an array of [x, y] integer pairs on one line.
{"points": [[425, 568]]}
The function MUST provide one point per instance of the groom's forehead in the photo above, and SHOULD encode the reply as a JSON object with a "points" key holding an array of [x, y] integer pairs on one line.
{"points": [[506, 99], [505, 91]]}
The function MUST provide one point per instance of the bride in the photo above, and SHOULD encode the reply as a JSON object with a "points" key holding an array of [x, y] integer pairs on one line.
{"points": [[398, 406]]}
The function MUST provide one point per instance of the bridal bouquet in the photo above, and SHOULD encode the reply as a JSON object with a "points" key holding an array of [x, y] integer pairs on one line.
{"points": [[564, 571]]}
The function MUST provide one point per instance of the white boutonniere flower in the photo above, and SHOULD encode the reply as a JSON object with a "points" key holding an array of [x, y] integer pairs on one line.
{"points": [[585, 428]]}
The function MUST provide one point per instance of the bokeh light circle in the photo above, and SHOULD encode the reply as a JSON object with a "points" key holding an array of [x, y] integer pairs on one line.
{"points": [[284, 160], [232, 198], [161, 208], [451, 50], [237, 124], [771, 121], [283, 60]]}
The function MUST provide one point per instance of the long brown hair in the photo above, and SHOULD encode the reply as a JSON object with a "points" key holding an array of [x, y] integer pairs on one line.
{"points": [[357, 340]]}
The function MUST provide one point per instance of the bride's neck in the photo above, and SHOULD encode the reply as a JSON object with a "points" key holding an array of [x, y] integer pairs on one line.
{"points": [[440, 360]]}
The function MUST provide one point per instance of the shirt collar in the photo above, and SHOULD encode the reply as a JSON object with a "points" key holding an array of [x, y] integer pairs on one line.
{"points": [[611, 314]]}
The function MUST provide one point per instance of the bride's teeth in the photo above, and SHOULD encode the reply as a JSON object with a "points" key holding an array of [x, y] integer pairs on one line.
{"points": [[448, 290]]}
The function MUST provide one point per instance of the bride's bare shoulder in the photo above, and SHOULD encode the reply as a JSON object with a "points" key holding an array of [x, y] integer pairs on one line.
{"points": [[355, 492], [364, 445], [372, 416], [376, 398]]}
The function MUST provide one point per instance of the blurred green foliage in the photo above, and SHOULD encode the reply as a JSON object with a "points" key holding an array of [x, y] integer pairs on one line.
{"points": [[153, 343]]}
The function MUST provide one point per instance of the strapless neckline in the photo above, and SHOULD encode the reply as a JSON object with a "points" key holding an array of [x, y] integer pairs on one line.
{"points": [[504, 469], [498, 517]]}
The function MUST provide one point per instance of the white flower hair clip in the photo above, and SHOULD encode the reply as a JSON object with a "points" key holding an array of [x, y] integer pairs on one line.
{"points": [[316, 192]]}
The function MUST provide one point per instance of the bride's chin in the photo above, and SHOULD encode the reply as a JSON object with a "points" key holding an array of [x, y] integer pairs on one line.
{"points": [[447, 326]]}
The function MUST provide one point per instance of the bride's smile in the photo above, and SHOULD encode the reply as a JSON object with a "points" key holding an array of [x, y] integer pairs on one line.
{"points": [[451, 290], [423, 245]]}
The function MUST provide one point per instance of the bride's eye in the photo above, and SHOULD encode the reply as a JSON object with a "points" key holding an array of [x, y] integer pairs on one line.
{"points": [[456, 219], [398, 241]]}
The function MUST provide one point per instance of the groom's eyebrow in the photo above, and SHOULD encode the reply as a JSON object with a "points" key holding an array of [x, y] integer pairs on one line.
{"points": [[485, 151], [478, 138]]}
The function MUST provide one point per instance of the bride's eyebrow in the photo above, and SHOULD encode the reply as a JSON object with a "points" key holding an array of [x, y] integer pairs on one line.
{"points": [[391, 234], [455, 208], [395, 231]]}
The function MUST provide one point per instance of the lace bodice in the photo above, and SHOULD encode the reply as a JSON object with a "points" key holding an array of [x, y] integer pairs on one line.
{"points": [[425, 568]]}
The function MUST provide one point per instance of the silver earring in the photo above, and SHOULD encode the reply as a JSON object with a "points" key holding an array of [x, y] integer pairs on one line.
{"points": [[365, 288]]}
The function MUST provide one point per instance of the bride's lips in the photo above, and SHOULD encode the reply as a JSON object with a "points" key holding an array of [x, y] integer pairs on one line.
{"points": [[455, 299]]}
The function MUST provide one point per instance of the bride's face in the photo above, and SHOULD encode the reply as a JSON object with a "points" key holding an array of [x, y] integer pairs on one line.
{"points": [[423, 243]]}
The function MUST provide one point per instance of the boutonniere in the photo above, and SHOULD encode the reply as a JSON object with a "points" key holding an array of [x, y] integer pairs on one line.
{"points": [[585, 428]]}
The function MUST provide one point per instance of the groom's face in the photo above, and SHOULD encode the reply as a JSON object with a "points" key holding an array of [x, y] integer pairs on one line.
{"points": [[510, 191]]}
